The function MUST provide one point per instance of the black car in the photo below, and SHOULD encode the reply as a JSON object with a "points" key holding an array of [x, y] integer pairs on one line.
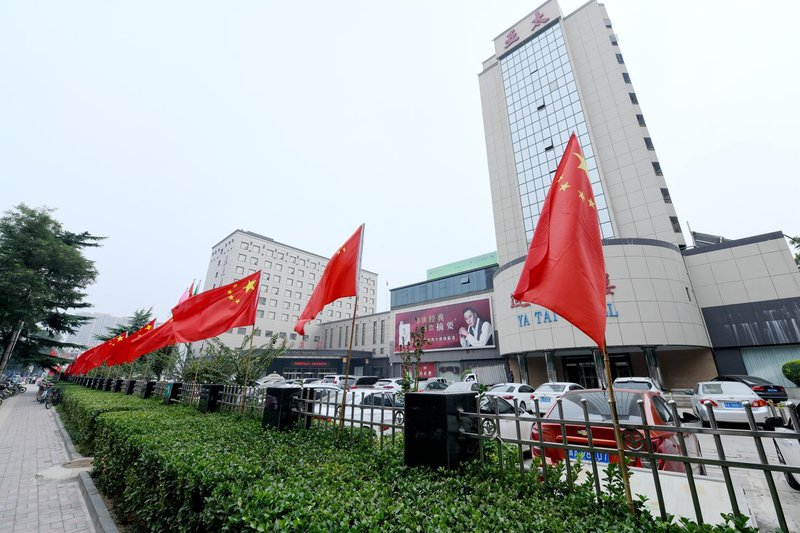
{"points": [[765, 389]]}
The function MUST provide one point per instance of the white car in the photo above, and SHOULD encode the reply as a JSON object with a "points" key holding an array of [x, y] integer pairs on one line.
{"points": [[637, 383], [788, 449], [548, 393], [506, 417], [463, 386], [725, 398], [389, 384], [377, 410], [522, 392]]}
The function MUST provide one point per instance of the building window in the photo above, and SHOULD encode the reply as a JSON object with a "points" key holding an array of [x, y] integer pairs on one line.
{"points": [[665, 194], [262, 301], [648, 142], [298, 295], [620, 60], [268, 333], [676, 226], [287, 293], [340, 337], [640, 118], [292, 336], [299, 284], [286, 304], [276, 279], [338, 314], [634, 100], [256, 249], [626, 77], [607, 23], [242, 258], [276, 290], [273, 303], [356, 335], [243, 246], [613, 39], [280, 255], [289, 281], [271, 315], [383, 331], [363, 327], [312, 276], [657, 168], [291, 270], [282, 335], [259, 314], [278, 266], [374, 332], [270, 253], [257, 332], [285, 317], [254, 260], [240, 270], [316, 338], [296, 307]]}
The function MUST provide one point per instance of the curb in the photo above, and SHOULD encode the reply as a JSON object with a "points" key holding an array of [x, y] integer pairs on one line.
{"points": [[98, 512]]}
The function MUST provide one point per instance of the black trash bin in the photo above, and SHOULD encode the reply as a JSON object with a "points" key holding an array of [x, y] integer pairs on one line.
{"points": [[172, 392], [209, 398]]}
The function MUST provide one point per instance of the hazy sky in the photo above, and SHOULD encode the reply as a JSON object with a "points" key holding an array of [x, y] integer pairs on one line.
{"points": [[165, 126]]}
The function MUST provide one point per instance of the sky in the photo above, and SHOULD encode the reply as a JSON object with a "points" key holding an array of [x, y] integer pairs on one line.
{"points": [[165, 126]]}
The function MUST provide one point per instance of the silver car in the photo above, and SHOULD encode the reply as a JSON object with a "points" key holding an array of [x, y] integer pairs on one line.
{"points": [[726, 400], [548, 393]]}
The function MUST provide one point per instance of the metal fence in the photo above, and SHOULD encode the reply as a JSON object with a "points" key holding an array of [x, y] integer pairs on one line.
{"points": [[190, 394], [553, 440], [381, 412], [245, 400]]}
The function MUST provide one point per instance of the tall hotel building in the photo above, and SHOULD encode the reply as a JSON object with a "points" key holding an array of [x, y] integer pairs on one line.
{"points": [[288, 278], [669, 308]]}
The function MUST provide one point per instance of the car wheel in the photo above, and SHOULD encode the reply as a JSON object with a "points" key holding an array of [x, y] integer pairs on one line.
{"points": [[790, 479]]}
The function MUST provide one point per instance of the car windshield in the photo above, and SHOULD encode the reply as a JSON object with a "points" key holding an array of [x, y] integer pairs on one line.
{"points": [[635, 385], [550, 387], [726, 387], [493, 404], [599, 410]]}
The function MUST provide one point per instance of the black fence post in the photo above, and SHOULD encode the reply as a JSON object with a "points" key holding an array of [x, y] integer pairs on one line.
{"points": [[278, 408], [434, 429], [172, 392], [117, 385], [209, 398]]}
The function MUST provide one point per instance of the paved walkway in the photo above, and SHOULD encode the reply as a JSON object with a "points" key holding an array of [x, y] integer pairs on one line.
{"points": [[37, 494]]}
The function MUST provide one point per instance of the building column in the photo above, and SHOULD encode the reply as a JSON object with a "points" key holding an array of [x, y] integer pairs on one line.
{"points": [[550, 363], [600, 368], [522, 363], [653, 368]]}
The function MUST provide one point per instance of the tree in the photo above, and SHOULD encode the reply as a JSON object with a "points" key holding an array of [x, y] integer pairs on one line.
{"points": [[412, 353], [238, 365], [795, 242], [42, 274]]}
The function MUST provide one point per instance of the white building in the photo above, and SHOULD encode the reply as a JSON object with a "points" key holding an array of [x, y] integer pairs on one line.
{"points": [[289, 276]]}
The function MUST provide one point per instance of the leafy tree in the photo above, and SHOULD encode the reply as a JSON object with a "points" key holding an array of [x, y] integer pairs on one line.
{"points": [[412, 354], [42, 276], [795, 242], [235, 365]]}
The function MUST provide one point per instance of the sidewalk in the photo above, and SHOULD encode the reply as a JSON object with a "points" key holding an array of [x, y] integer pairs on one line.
{"points": [[37, 493]]}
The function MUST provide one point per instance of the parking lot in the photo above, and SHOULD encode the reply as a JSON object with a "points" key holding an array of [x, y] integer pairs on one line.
{"points": [[752, 482]]}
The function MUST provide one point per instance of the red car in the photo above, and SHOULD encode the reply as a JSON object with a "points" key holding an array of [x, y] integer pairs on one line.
{"points": [[657, 413]]}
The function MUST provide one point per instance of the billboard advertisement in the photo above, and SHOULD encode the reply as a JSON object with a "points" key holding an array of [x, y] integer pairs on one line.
{"points": [[464, 325]]}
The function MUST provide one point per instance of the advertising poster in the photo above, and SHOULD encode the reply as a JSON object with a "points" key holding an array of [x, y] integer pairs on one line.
{"points": [[464, 325]]}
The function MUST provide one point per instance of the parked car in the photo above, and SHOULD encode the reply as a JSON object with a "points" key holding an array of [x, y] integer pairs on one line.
{"points": [[463, 386], [764, 388], [548, 393], [657, 413], [390, 384], [358, 382], [426, 385], [788, 449], [725, 398], [507, 418], [334, 379], [377, 410], [637, 383], [522, 392]]}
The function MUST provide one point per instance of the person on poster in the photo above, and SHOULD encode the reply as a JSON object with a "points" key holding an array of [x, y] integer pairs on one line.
{"points": [[478, 332]]}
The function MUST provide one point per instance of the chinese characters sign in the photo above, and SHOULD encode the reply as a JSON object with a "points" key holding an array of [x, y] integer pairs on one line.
{"points": [[464, 325]]}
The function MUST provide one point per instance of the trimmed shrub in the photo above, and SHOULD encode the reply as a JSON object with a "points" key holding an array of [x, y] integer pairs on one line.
{"points": [[174, 469], [792, 372]]}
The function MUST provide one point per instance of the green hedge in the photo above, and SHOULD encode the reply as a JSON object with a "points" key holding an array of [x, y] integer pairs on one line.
{"points": [[792, 371], [174, 469]]}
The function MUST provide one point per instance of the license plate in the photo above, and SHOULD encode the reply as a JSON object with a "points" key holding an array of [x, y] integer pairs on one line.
{"points": [[545, 399], [772, 389], [586, 456], [732, 405]]}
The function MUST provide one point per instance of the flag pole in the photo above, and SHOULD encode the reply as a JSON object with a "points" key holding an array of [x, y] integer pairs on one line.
{"points": [[623, 465], [247, 370], [347, 366]]}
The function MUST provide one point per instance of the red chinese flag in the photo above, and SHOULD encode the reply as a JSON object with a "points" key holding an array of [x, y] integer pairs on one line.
{"points": [[146, 341], [123, 350], [217, 310], [339, 280], [565, 269]]}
